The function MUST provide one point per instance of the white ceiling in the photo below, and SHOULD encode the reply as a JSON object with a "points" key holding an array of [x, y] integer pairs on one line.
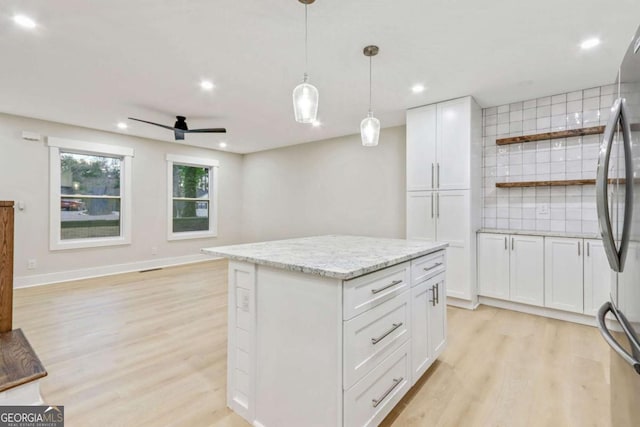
{"points": [[94, 63]]}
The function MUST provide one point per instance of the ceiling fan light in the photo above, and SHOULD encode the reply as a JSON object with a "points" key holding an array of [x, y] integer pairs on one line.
{"points": [[305, 102], [370, 130]]}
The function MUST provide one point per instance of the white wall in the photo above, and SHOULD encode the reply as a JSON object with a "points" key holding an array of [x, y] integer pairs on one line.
{"points": [[24, 175], [335, 186]]}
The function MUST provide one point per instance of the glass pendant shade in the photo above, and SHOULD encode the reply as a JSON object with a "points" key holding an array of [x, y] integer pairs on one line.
{"points": [[370, 130], [305, 102]]}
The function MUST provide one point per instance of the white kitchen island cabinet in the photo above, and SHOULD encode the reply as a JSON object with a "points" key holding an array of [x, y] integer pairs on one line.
{"points": [[320, 329]]}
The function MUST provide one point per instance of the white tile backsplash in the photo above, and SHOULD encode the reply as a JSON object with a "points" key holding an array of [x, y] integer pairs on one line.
{"points": [[567, 209]]}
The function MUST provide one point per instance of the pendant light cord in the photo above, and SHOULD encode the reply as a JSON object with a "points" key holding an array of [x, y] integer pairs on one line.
{"points": [[306, 43], [370, 58]]}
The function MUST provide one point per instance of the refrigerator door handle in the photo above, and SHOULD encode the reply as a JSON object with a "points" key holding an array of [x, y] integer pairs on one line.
{"points": [[618, 115], [602, 312]]}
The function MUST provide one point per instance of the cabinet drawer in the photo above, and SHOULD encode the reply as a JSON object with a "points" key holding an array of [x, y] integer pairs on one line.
{"points": [[372, 398], [374, 335], [370, 290], [427, 266]]}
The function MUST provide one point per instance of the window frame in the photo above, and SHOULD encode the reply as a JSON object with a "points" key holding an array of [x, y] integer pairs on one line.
{"points": [[200, 162], [58, 145]]}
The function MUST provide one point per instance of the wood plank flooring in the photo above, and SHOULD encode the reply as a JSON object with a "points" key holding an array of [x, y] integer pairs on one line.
{"points": [[149, 349]]}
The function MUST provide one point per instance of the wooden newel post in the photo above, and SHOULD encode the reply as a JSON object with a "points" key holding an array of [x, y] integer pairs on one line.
{"points": [[6, 266]]}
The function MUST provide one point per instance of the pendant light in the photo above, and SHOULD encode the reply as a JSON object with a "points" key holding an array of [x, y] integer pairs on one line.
{"points": [[305, 95], [370, 126]]}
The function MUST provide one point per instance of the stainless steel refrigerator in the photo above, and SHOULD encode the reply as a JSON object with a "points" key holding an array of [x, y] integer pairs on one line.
{"points": [[618, 196]]}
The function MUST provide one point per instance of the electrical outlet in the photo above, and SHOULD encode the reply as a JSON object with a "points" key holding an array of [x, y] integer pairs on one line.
{"points": [[154, 250], [543, 210], [32, 264], [245, 302]]}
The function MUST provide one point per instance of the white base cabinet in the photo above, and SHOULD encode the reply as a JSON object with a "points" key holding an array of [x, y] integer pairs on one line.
{"points": [[564, 274], [428, 324], [307, 350], [511, 267], [560, 273]]}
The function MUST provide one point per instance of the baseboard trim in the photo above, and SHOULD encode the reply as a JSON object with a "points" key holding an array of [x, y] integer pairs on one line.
{"points": [[462, 303], [582, 319], [107, 270]]}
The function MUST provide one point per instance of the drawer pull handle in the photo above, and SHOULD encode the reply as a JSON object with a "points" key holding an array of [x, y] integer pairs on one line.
{"points": [[383, 336], [390, 285], [436, 265], [379, 400]]}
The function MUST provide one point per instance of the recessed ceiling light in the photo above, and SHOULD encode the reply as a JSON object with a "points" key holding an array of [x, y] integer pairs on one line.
{"points": [[206, 85], [24, 21], [223, 145], [316, 123], [418, 88], [590, 43], [122, 125]]}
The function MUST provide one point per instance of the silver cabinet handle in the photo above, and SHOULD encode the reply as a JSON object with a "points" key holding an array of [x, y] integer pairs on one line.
{"points": [[588, 248], [379, 400], [438, 168], [615, 256], [578, 248], [433, 296], [506, 245], [433, 183], [438, 200], [602, 312], [436, 265], [383, 336], [512, 243], [437, 293], [432, 203], [390, 285]]}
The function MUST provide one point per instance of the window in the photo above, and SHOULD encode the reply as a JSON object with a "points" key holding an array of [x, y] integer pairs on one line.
{"points": [[90, 194], [192, 204]]}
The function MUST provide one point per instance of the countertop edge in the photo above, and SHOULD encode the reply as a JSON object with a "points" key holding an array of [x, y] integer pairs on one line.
{"points": [[327, 273], [567, 235]]}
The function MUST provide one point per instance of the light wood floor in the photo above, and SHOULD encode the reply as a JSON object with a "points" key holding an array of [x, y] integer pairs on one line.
{"points": [[149, 349]]}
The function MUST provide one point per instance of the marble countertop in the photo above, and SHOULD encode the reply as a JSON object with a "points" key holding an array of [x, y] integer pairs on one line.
{"points": [[541, 233], [335, 256]]}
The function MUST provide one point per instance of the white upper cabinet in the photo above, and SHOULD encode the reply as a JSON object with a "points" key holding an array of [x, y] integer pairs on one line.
{"points": [[421, 148], [493, 265], [453, 145], [439, 146], [597, 276], [526, 284], [564, 274]]}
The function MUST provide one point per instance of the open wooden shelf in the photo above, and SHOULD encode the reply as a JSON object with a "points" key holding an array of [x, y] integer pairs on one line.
{"points": [[558, 183], [551, 135]]}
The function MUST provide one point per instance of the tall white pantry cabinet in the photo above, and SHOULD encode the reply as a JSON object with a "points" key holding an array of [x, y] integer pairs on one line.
{"points": [[444, 161]]}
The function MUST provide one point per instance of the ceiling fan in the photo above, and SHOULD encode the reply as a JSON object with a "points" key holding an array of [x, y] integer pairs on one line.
{"points": [[180, 128]]}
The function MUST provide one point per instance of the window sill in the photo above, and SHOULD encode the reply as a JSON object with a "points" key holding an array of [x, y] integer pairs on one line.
{"points": [[192, 235], [61, 245]]}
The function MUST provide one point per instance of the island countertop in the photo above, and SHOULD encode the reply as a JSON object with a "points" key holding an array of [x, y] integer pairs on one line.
{"points": [[335, 256]]}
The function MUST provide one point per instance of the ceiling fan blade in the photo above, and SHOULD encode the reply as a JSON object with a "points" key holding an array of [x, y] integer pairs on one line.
{"points": [[208, 130], [152, 123]]}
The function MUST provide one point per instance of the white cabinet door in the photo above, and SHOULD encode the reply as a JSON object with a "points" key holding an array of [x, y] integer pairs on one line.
{"points": [[452, 217], [493, 265], [526, 272], [597, 276], [421, 215], [421, 148], [438, 317], [453, 145], [421, 300], [564, 274]]}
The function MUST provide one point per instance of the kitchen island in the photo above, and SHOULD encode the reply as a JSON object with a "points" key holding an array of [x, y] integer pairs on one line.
{"points": [[330, 330]]}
